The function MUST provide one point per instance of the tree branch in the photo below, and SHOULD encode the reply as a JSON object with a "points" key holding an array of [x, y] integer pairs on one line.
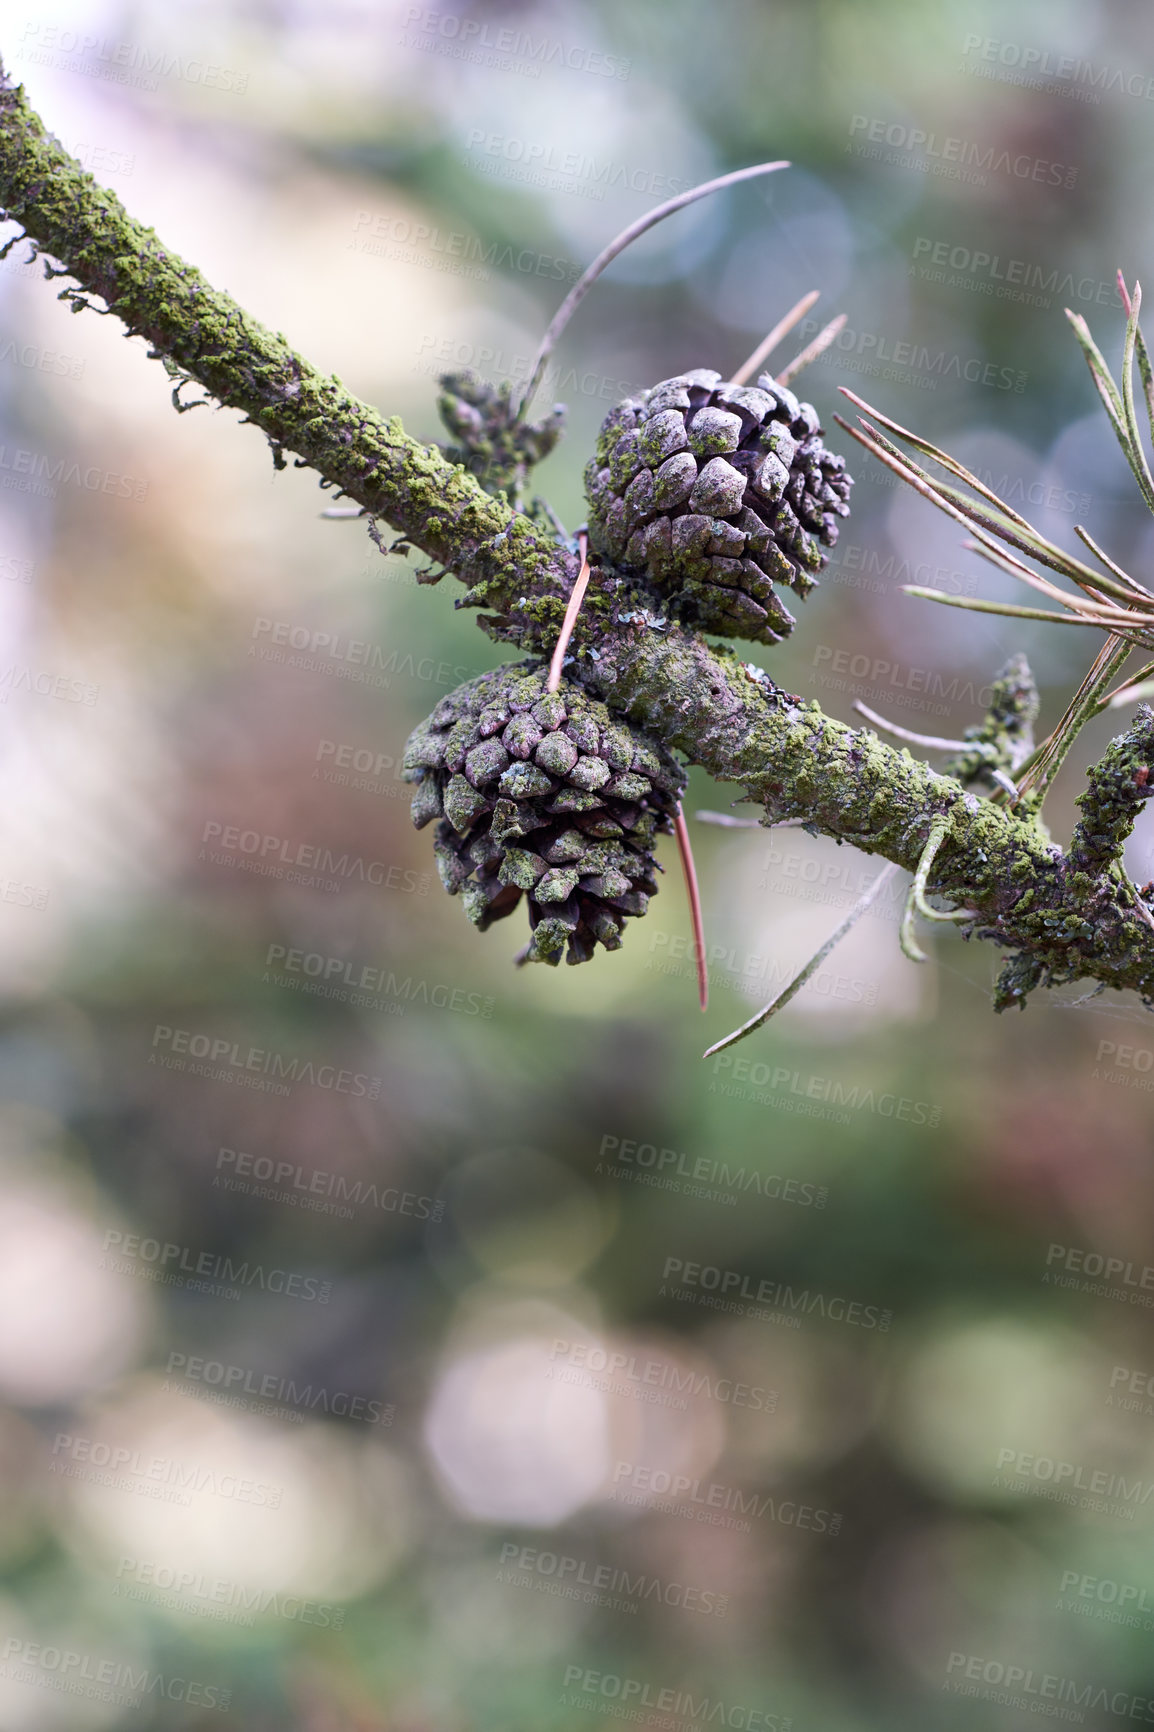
{"points": [[207, 337], [1120, 785], [1068, 916]]}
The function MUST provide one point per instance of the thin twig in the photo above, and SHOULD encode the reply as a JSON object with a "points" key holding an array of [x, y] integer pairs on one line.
{"points": [[685, 849], [916, 900], [726, 821], [617, 246], [572, 609], [811, 966], [765, 348], [818, 347], [1004, 781], [930, 741], [1132, 695]]}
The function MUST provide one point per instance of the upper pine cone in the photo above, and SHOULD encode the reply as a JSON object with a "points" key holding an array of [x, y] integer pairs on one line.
{"points": [[717, 491], [546, 794]]}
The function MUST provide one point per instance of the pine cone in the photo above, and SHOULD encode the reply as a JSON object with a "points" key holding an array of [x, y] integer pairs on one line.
{"points": [[717, 492], [545, 794]]}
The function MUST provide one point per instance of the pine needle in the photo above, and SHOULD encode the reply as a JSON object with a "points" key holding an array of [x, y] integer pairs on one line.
{"points": [[811, 967], [572, 609], [765, 348], [615, 248]]}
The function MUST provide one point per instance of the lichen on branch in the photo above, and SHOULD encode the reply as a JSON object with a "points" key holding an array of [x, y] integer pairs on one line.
{"points": [[1119, 786]]}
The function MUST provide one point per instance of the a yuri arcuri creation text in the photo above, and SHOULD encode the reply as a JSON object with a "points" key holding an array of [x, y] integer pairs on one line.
{"points": [[702, 1176]]}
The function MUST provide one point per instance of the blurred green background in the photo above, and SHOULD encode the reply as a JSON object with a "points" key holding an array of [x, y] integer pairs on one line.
{"points": [[455, 1350]]}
